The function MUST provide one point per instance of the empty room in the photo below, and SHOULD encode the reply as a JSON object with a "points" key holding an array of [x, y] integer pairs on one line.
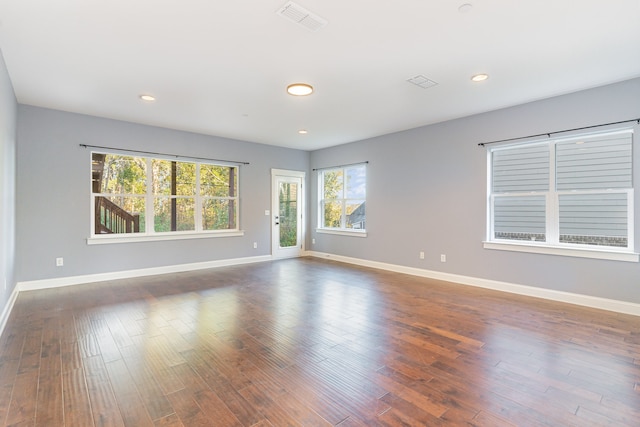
{"points": [[319, 213]]}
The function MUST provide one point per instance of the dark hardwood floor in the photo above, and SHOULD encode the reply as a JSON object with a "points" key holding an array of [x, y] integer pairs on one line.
{"points": [[312, 342]]}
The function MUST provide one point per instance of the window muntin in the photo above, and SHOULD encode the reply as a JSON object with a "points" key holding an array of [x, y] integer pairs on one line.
{"points": [[574, 192], [141, 195], [343, 198]]}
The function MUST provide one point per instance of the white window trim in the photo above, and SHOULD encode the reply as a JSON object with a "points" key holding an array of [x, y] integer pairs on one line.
{"points": [[560, 249], [580, 252], [108, 239], [101, 239], [342, 232], [329, 230]]}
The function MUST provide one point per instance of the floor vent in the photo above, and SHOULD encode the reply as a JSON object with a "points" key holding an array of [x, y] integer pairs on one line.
{"points": [[302, 16]]}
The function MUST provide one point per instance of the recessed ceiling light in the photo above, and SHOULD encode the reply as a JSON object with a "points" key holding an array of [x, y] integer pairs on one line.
{"points": [[303, 132], [480, 77], [149, 98], [299, 89]]}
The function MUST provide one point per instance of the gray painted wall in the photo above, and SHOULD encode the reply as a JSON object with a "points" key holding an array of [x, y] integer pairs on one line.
{"points": [[8, 117], [426, 191], [53, 183]]}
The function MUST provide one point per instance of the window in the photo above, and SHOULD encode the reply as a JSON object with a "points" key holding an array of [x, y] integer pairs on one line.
{"points": [[342, 194], [141, 195], [574, 192]]}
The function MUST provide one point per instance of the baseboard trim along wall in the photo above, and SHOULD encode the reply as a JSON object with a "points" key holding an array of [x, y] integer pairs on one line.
{"points": [[7, 309], [129, 274], [567, 297], [549, 294]]}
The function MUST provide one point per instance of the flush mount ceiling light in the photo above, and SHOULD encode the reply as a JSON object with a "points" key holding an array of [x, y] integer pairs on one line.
{"points": [[149, 98], [480, 77], [299, 89], [303, 132]]}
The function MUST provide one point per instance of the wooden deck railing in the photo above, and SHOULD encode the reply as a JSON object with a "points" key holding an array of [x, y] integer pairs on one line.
{"points": [[111, 218]]}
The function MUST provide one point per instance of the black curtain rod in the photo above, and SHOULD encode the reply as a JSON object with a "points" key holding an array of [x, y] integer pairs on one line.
{"points": [[341, 166], [163, 154], [548, 134]]}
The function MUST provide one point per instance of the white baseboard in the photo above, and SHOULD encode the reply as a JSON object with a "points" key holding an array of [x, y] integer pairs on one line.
{"points": [[7, 309], [549, 294], [33, 285]]}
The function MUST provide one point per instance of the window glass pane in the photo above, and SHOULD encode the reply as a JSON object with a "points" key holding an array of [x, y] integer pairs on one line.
{"points": [[356, 215], [594, 219], [288, 215], [594, 163], [218, 181], [521, 169], [356, 182], [185, 214], [162, 214], [174, 214], [116, 174], [119, 214], [332, 214], [333, 181], [218, 214], [519, 218], [161, 176], [185, 179], [167, 174]]}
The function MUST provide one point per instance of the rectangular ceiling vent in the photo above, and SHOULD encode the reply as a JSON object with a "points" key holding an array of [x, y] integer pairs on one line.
{"points": [[422, 81], [302, 16]]}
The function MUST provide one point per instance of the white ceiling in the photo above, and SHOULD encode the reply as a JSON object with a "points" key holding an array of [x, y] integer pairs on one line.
{"points": [[221, 67]]}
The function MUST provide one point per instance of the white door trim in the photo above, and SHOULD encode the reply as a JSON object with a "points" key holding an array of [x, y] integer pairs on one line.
{"points": [[276, 252]]}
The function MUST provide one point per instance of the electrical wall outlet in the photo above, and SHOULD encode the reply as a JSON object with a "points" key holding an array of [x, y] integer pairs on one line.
{"points": [[443, 258], [421, 255], [59, 262], [313, 241], [255, 245]]}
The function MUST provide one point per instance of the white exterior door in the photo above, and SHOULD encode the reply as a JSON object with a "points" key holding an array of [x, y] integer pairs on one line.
{"points": [[287, 225]]}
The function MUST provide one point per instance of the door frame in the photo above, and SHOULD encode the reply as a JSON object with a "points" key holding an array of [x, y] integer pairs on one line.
{"points": [[276, 252]]}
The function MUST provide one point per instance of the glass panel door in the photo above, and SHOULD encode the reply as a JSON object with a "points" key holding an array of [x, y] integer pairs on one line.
{"points": [[287, 236], [288, 215]]}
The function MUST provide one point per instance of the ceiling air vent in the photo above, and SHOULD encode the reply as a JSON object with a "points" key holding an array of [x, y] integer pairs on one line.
{"points": [[422, 81], [301, 16]]}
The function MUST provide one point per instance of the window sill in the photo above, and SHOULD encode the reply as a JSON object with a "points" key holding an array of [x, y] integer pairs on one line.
{"points": [[595, 253], [131, 238], [353, 233]]}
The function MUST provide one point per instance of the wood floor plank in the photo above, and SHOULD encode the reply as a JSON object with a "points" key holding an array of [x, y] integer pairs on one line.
{"points": [[77, 405], [151, 392], [50, 411], [171, 420], [312, 342], [132, 408], [104, 406], [22, 406], [200, 377]]}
